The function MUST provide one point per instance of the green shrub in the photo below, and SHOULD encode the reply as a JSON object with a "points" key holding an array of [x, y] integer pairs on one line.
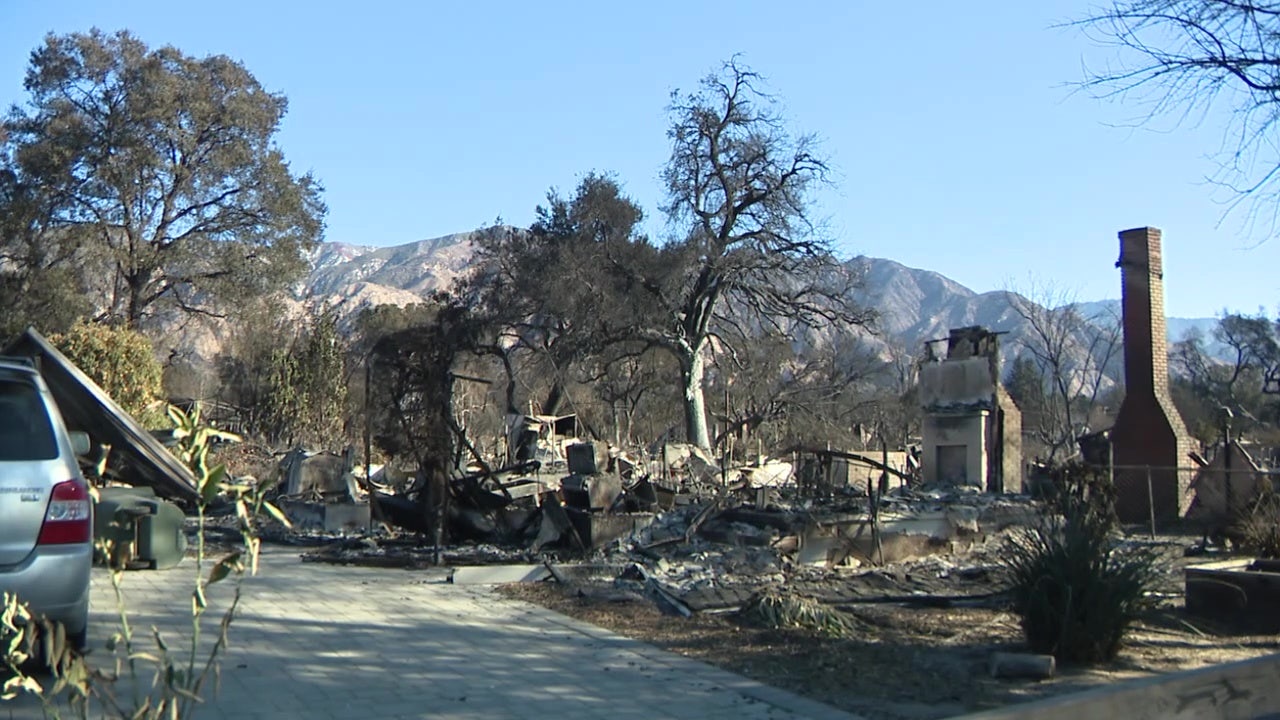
{"points": [[1076, 590], [290, 377], [121, 361]]}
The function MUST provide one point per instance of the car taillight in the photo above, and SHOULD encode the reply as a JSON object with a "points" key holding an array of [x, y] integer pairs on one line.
{"points": [[68, 518]]}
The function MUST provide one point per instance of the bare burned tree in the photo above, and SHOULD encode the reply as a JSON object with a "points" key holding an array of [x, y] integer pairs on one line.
{"points": [[748, 253], [746, 259], [897, 415], [809, 394], [1072, 350], [626, 377], [413, 377], [1183, 57]]}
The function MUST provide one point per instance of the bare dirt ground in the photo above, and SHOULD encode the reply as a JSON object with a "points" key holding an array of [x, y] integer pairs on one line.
{"points": [[904, 662]]}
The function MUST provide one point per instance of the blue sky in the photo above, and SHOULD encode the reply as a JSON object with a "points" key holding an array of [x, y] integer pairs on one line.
{"points": [[959, 145]]}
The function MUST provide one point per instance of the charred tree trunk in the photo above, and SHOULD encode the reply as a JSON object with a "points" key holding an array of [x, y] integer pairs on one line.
{"points": [[693, 371], [422, 359], [555, 397]]}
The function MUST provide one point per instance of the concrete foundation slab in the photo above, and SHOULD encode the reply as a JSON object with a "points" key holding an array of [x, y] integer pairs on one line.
{"points": [[329, 517], [1242, 593]]}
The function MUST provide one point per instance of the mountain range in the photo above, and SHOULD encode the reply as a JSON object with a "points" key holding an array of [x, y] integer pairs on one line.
{"points": [[914, 305]]}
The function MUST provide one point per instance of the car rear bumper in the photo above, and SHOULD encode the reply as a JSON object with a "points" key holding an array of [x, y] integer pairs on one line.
{"points": [[54, 581]]}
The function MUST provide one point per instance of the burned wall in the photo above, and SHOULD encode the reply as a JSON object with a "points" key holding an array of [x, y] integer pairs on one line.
{"points": [[972, 428], [955, 449], [1005, 441], [957, 385]]}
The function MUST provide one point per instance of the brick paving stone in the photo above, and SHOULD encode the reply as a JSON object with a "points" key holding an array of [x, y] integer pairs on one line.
{"points": [[321, 641]]}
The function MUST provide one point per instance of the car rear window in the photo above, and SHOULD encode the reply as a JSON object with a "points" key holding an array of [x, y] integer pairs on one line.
{"points": [[25, 430]]}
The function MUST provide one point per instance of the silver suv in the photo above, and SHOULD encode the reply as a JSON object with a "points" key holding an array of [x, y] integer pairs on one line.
{"points": [[46, 516]]}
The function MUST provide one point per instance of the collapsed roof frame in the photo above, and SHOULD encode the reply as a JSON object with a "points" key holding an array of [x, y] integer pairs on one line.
{"points": [[85, 406]]}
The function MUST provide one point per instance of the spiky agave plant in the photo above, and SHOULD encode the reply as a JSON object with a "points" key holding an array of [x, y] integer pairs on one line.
{"points": [[1076, 589], [776, 609]]}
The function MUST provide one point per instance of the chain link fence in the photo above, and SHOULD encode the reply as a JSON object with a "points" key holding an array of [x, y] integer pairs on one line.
{"points": [[1207, 497]]}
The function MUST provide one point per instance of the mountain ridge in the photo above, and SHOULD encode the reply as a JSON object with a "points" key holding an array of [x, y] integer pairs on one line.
{"points": [[914, 304]]}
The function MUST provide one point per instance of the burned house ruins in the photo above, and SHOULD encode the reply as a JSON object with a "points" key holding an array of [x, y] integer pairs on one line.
{"points": [[972, 431]]}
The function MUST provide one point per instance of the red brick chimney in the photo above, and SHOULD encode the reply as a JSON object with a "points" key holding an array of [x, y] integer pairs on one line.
{"points": [[1148, 432]]}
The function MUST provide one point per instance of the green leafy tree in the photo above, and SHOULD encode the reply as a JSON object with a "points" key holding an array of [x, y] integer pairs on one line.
{"points": [[550, 296], [258, 331], [414, 379], [1244, 378], [305, 399], [162, 174], [41, 279], [371, 396], [287, 376], [121, 361]]}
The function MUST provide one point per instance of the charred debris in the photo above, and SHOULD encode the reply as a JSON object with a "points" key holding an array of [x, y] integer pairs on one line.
{"points": [[695, 532]]}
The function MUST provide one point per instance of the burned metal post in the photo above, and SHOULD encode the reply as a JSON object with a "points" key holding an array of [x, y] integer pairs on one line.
{"points": [[1227, 415]]}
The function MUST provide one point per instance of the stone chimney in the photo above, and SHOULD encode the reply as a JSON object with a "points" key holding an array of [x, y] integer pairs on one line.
{"points": [[1148, 432]]}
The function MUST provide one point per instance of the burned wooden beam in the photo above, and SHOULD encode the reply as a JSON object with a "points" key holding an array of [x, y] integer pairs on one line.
{"points": [[856, 458]]}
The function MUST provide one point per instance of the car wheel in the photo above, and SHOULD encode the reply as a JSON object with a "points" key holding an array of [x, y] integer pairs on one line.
{"points": [[39, 664]]}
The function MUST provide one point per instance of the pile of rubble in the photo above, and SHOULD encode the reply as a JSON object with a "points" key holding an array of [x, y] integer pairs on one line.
{"points": [[693, 535], [934, 547]]}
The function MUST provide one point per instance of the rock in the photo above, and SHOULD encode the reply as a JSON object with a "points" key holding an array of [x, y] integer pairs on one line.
{"points": [[1022, 665]]}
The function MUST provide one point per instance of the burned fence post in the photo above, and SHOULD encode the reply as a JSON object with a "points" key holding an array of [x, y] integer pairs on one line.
{"points": [[1226, 461], [873, 500]]}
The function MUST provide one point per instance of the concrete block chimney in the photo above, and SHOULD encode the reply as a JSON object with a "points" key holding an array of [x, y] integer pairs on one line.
{"points": [[1148, 431]]}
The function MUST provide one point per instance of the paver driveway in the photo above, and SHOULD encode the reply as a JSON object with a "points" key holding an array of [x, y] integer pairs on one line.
{"points": [[319, 641]]}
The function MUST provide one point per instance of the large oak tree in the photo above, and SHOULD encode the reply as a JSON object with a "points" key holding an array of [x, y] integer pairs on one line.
{"points": [[160, 171]]}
